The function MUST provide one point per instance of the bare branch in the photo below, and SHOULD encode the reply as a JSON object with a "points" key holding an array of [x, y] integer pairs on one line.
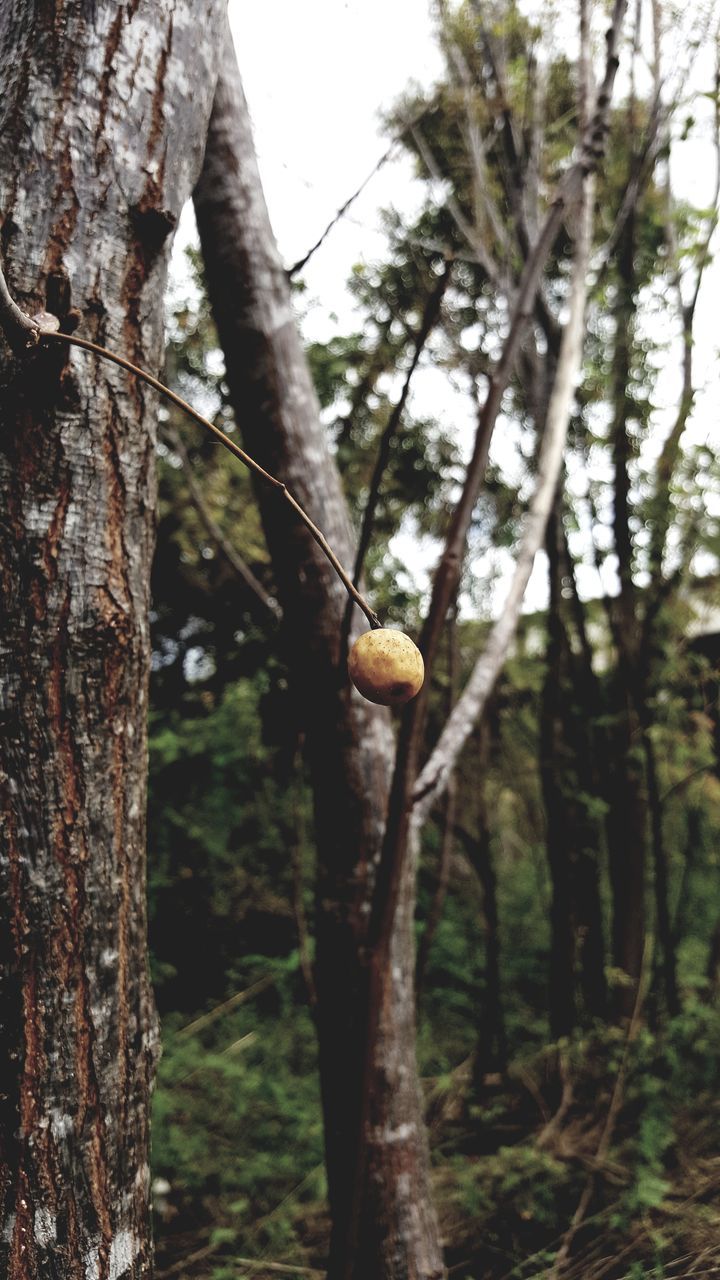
{"points": [[448, 832], [585, 68], [469, 233], [643, 165], [670, 452], [302, 262], [483, 199], [429, 319], [387, 154], [571, 188], [517, 187], [469, 708], [590, 152]]}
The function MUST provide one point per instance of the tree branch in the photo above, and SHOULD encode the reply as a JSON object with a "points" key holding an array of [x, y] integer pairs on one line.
{"points": [[467, 711], [302, 262], [430, 317], [668, 458], [572, 186], [44, 326], [468, 232]]}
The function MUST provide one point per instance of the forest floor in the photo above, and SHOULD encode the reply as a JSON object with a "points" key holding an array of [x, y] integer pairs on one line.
{"points": [[594, 1159]]}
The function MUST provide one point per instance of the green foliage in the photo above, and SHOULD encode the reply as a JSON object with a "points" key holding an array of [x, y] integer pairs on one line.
{"points": [[237, 1127]]}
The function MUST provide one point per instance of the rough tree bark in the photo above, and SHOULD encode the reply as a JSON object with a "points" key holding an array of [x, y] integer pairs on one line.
{"points": [[349, 742], [101, 145]]}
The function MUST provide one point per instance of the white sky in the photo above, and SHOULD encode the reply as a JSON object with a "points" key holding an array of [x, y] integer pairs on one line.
{"points": [[317, 76]]}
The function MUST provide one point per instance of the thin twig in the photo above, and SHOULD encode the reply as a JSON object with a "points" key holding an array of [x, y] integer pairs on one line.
{"points": [[469, 233], [469, 707], [302, 262], [277, 1266], [234, 1002], [430, 317], [46, 336], [198, 1256], [258, 1264], [243, 1042]]}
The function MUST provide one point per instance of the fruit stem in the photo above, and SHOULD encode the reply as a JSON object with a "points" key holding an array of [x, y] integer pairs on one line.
{"points": [[23, 332], [233, 448]]}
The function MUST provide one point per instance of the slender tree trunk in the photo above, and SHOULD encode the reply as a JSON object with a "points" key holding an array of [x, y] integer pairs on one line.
{"points": [[349, 741], [626, 827], [492, 1041], [437, 904], [693, 845], [571, 741], [712, 970], [660, 864], [100, 147], [627, 815], [559, 831], [448, 832], [587, 740]]}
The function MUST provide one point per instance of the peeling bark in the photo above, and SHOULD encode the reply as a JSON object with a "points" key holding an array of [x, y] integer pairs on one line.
{"points": [[348, 741], [101, 144]]}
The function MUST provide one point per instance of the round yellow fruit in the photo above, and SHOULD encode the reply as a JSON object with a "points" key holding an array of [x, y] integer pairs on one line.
{"points": [[386, 667]]}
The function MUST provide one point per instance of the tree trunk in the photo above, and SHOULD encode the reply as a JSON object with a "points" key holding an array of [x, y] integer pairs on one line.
{"points": [[492, 1042], [587, 741], [559, 832], [627, 817], [660, 864], [100, 148], [570, 741], [447, 841], [349, 741]]}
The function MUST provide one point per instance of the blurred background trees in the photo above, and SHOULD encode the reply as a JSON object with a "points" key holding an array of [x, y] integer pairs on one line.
{"points": [[568, 911]]}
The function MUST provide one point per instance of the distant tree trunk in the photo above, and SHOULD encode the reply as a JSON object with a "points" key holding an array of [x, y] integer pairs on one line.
{"points": [[559, 833], [573, 766], [588, 743], [626, 825], [101, 145], [447, 842], [660, 865], [448, 822], [349, 741], [712, 971], [693, 844], [492, 1041], [627, 816]]}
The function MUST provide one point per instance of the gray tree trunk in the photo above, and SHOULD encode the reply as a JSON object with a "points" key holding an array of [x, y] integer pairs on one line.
{"points": [[349, 741], [103, 116]]}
